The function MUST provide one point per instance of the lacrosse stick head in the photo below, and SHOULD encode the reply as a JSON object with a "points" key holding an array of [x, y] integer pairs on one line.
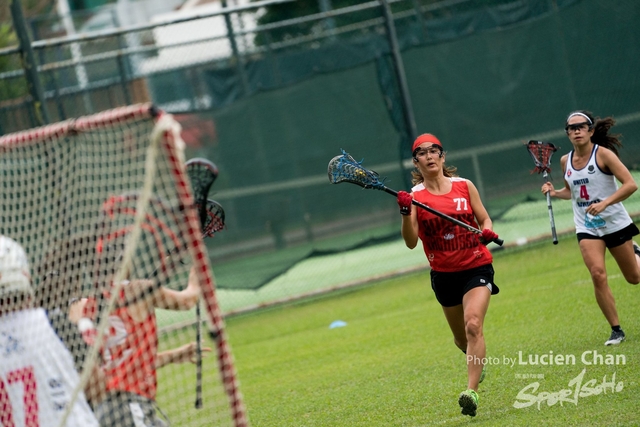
{"points": [[202, 174], [214, 218], [541, 153], [345, 168]]}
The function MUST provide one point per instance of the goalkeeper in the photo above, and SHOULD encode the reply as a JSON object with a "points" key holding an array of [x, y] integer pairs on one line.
{"points": [[130, 351], [32, 354]]}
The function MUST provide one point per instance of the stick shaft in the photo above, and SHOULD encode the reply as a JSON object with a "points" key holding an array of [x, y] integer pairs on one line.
{"points": [[198, 403], [201, 192], [552, 221]]}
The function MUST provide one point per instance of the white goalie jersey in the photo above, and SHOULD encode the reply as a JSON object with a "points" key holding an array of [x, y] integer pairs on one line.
{"points": [[37, 375]]}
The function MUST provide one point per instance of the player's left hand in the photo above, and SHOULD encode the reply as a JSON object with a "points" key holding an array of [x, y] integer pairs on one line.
{"points": [[595, 208], [404, 202], [488, 236], [187, 353]]}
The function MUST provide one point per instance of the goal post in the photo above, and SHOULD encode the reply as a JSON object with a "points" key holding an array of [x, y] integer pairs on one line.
{"points": [[104, 210]]}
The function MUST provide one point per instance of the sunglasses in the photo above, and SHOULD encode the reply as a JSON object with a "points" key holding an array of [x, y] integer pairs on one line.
{"points": [[433, 150], [577, 126]]}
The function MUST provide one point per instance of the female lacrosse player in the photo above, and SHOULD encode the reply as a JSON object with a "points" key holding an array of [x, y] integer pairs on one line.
{"points": [[590, 173], [130, 354], [461, 269], [37, 375]]}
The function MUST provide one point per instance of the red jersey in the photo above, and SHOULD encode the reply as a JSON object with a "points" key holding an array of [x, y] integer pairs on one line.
{"points": [[449, 247], [129, 352]]}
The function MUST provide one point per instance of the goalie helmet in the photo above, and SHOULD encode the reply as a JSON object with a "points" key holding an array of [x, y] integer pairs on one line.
{"points": [[14, 268]]}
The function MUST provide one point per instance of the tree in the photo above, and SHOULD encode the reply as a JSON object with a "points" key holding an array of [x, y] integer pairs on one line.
{"points": [[12, 88], [31, 8]]}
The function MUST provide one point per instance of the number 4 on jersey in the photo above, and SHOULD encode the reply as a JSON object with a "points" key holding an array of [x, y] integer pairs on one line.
{"points": [[584, 194]]}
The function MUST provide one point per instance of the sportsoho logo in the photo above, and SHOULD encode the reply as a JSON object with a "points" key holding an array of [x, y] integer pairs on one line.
{"points": [[577, 388], [581, 386]]}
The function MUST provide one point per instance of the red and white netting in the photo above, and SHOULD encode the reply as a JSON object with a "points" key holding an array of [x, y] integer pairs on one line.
{"points": [[72, 191]]}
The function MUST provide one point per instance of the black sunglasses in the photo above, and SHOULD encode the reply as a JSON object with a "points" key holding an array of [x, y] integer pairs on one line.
{"points": [[434, 150]]}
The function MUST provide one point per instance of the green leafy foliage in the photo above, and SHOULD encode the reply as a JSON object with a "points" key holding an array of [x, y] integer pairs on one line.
{"points": [[10, 88]]}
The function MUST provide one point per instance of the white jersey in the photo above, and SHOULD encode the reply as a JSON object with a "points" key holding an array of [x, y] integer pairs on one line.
{"points": [[591, 185], [37, 375]]}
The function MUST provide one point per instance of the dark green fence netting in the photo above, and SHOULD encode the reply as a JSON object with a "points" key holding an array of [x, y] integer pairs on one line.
{"points": [[483, 77]]}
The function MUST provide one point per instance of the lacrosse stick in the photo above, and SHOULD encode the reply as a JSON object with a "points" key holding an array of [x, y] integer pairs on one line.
{"points": [[345, 168], [541, 153], [202, 174]]}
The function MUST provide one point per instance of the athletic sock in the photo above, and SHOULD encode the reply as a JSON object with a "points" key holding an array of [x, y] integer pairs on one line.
{"points": [[616, 328]]}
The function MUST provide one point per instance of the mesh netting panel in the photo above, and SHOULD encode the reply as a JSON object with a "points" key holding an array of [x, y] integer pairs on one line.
{"points": [[104, 211]]}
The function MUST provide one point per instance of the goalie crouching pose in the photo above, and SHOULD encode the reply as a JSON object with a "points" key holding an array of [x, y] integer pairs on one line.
{"points": [[461, 265]]}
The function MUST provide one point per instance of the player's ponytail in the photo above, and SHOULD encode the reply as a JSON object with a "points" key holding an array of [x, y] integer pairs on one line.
{"points": [[601, 135]]}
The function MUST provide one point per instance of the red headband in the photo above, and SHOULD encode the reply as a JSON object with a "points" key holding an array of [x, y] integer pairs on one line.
{"points": [[425, 137]]}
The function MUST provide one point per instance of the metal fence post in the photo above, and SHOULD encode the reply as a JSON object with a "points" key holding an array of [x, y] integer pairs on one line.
{"points": [[398, 65], [399, 69], [236, 52], [29, 64]]}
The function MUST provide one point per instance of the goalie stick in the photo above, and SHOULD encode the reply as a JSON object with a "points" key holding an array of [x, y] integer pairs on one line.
{"points": [[541, 153], [202, 174], [345, 168]]}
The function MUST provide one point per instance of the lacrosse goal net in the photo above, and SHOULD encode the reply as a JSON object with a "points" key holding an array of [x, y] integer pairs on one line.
{"points": [[67, 191]]}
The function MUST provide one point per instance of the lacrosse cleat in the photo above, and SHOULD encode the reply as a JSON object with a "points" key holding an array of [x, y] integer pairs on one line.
{"points": [[616, 338], [468, 401]]}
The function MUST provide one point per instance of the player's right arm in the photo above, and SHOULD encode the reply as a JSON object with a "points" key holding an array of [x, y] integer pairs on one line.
{"points": [[186, 299], [185, 353], [565, 192], [409, 228]]}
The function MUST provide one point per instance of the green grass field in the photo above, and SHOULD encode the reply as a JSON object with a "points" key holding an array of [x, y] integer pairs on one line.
{"points": [[395, 363]]}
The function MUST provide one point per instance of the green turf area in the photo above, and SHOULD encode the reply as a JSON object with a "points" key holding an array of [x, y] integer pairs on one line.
{"points": [[395, 363]]}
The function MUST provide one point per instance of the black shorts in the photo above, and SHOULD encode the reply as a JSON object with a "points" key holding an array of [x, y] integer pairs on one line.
{"points": [[614, 239], [124, 409], [451, 287]]}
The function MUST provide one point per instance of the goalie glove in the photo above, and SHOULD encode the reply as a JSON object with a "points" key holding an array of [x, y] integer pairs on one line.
{"points": [[404, 201], [488, 236]]}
